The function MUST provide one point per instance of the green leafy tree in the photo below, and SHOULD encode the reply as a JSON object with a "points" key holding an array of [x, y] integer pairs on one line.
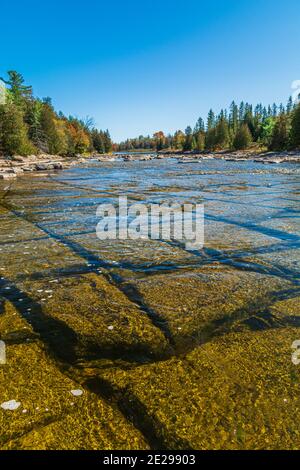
{"points": [[267, 130], [48, 129], [13, 131]]}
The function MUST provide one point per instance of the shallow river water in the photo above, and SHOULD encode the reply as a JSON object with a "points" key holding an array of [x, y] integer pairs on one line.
{"points": [[169, 348]]}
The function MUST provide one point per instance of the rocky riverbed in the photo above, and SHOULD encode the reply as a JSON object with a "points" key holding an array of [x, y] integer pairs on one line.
{"points": [[141, 344]]}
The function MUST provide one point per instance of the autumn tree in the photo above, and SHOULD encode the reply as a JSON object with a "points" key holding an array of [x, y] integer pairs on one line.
{"points": [[159, 138]]}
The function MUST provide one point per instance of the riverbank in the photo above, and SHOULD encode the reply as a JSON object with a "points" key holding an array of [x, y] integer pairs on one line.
{"points": [[11, 167]]}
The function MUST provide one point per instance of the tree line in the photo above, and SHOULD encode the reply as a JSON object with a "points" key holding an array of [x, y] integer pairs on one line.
{"points": [[29, 125], [241, 126]]}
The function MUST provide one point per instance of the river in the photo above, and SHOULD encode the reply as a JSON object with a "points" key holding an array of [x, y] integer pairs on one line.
{"points": [[169, 348]]}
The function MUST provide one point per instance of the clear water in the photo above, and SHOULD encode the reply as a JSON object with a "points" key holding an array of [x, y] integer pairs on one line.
{"points": [[199, 337]]}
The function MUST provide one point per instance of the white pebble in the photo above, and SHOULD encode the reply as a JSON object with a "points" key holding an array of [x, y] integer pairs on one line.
{"points": [[77, 393], [10, 405], [110, 327]]}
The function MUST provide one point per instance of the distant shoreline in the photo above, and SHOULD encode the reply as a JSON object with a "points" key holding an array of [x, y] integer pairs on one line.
{"points": [[237, 156], [11, 167]]}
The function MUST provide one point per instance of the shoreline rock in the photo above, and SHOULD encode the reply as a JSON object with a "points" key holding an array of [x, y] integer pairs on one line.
{"points": [[16, 165]]}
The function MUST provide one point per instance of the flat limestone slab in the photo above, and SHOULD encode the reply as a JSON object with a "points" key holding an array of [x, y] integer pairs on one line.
{"points": [[49, 415], [238, 391]]}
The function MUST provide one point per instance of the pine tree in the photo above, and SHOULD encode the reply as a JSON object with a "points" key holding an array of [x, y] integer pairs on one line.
{"points": [[107, 142], [280, 138], [200, 141], [221, 133], [274, 110], [249, 120], [290, 105], [295, 130], [98, 141], [200, 126], [243, 138], [270, 113], [33, 119], [241, 111], [281, 109], [210, 120], [264, 114], [188, 143], [234, 117], [210, 140], [18, 90]]}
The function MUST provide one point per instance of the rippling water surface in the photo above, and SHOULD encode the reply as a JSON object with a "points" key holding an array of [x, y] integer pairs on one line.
{"points": [[171, 348]]}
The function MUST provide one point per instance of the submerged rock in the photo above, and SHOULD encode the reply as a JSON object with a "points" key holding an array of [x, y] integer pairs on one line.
{"points": [[7, 176], [52, 421]]}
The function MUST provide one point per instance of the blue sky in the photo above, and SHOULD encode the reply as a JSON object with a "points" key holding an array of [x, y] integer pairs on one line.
{"points": [[139, 66]]}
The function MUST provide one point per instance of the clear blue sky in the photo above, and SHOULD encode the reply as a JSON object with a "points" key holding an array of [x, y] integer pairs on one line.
{"points": [[139, 66]]}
